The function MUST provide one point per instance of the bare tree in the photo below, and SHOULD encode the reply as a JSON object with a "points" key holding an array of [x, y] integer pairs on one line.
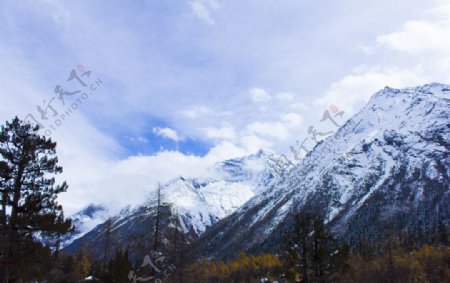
{"points": [[107, 241], [158, 210]]}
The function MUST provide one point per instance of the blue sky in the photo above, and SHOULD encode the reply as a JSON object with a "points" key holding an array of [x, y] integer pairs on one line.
{"points": [[188, 83]]}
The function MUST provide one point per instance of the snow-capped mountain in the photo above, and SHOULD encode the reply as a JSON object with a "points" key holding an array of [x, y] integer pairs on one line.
{"points": [[84, 221], [202, 202], [188, 204], [389, 164]]}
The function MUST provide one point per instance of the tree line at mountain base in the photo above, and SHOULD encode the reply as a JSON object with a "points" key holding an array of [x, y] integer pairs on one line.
{"points": [[310, 254], [428, 264]]}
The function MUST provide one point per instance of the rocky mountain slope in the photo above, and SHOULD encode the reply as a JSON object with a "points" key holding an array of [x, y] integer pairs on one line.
{"points": [[387, 166]]}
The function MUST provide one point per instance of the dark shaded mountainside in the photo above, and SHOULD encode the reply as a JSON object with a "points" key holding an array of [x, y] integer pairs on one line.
{"points": [[386, 169], [132, 230]]}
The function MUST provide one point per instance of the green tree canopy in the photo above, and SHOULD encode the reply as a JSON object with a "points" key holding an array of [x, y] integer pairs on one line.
{"points": [[29, 207]]}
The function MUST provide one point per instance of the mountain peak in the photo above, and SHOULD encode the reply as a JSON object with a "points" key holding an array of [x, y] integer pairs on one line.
{"points": [[435, 89], [389, 162]]}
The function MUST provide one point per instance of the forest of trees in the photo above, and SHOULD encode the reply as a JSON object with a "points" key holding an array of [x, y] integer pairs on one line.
{"points": [[310, 254], [31, 216]]}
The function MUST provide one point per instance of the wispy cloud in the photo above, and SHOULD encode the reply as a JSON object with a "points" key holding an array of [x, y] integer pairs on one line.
{"points": [[167, 133], [269, 129], [423, 36], [354, 90], [418, 52], [202, 9], [226, 132], [196, 111], [259, 95]]}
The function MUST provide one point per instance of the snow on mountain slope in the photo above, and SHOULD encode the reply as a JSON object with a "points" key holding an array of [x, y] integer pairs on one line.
{"points": [[84, 221], [197, 203], [202, 202], [390, 161]]}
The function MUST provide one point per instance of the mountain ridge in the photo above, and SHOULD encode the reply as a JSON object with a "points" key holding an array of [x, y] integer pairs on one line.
{"points": [[388, 163], [351, 175], [189, 204]]}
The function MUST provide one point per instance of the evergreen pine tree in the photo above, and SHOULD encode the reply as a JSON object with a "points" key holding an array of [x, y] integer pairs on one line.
{"points": [[28, 193], [311, 251]]}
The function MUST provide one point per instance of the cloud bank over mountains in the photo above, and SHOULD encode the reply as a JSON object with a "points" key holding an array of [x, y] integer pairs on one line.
{"points": [[190, 83]]}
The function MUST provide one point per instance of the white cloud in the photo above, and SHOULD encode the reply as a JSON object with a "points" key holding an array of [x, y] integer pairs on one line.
{"points": [[367, 49], [167, 133], [142, 140], [226, 132], [226, 150], [298, 106], [292, 119], [442, 10], [196, 111], [354, 90], [269, 129], [426, 44], [252, 143], [202, 9], [129, 181], [138, 139], [420, 36], [286, 96], [60, 14], [259, 95]]}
